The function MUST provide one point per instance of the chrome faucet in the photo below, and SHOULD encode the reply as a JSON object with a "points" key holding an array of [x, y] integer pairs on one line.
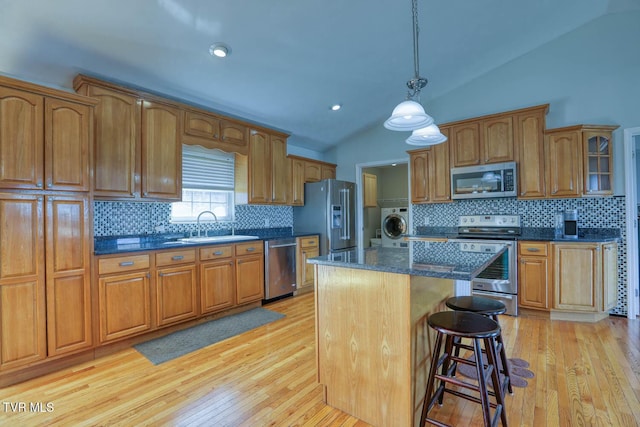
{"points": [[198, 219]]}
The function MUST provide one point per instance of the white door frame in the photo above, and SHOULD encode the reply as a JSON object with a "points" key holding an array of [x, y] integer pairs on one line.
{"points": [[360, 194], [631, 220]]}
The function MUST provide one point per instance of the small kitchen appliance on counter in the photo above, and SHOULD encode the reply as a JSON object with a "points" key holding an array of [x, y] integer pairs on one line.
{"points": [[570, 224]]}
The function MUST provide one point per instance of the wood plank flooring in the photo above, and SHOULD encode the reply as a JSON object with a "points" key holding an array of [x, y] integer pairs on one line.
{"points": [[586, 374]]}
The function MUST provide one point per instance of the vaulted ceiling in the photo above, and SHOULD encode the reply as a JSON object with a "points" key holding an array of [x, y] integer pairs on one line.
{"points": [[290, 59]]}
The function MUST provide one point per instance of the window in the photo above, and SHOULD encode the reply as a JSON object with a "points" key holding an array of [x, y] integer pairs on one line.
{"points": [[207, 185]]}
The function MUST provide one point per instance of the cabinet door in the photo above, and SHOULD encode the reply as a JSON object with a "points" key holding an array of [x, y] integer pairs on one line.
{"points": [[161, 151], [564, 164], [308, 269], [249, 279], [609, 276], [68, 274], [575, 276], [280, 178], [259, 168], [201, 125], [530, 143], [440, 172], [116, 129], [297, 182], [370, 191], [419, 164], [327, 172], [497, 142], [67, 137], [21, 139], [176, 296], [125, 307], [312, 172], [22, 281], [233, 133], [532, 283], [465, 144], [217, 286], [598, 163]]}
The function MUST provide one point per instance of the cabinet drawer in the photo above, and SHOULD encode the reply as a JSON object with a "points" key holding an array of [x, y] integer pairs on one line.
{"points": [[250, 248], [309, 242], [123, 263], [175, 257], [215, 252], [533, 248]]}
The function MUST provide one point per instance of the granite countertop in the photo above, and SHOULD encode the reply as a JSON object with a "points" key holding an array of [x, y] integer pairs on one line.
{"points": [[597, 235], [108, 245], [443, 260]]}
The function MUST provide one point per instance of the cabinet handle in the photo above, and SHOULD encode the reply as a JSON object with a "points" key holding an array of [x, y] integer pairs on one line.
{"points": [[251, 249], [126, 263], [177, 257], [533, 250], [148, 275], [39, 184], [217, 253], [161, 274]]}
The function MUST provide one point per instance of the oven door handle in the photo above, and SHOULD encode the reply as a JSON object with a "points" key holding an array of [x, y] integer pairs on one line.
{"points": [[492, 294]]}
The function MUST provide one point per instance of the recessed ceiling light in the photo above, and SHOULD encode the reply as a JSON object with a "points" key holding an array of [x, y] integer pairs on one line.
{"points": [[219, 49], [336, 107]]}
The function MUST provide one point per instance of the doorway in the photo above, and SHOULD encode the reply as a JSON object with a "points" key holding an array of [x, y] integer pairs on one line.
{"points": [[391, 190], [632, 180]]}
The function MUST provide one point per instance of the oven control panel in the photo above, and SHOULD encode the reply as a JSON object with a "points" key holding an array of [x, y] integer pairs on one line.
{"points": [[478, 246], [489, 220]]}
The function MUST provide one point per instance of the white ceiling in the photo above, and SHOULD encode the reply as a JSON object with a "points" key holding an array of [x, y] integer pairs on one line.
{"points": [[291, 59]]}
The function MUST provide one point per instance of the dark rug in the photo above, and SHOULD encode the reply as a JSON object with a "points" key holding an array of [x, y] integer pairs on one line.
{"points": [[176, 344], [517, 369]]}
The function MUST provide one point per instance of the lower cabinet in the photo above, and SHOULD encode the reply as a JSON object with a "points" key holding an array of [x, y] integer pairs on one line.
{"points": [[308, 247], [217, 279], [533, 275], [176, 294], [249, 272], [575, 281]]}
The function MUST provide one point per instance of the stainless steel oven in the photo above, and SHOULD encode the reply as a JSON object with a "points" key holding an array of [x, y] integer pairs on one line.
{"points": [[492, 234]]}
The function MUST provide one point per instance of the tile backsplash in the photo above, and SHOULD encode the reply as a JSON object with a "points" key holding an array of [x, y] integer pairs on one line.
{"points": [[133, 218], [600, 212]]}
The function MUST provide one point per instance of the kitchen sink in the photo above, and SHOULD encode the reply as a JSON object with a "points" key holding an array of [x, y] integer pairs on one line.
{"points": [[217, 239]]}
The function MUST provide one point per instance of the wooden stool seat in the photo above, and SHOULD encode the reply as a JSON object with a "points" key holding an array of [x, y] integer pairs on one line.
{"points": [[452, 326]]}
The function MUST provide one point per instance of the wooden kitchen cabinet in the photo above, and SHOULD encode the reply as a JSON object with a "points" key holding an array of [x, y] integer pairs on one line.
{"points": [[483, 140], [68, 274], [497, 139], [317, 171], [297, 181], [137, 147], [307, 247], [175, 285], [327, 171], [583, 275], [430, 174], [249, 272], [124, 296], [529, 142], [44, 138], [534, 275], [23, 335], [370, 190], [217, 285], [268, 169], [213, 132], [466, 147], [579, 161]]}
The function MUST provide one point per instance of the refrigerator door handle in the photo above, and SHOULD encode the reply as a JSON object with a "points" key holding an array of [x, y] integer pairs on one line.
{"points": [[345, 222], [347, 227]]}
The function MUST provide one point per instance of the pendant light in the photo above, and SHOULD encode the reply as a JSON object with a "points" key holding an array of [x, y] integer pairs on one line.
{"points": [[409, 114]]}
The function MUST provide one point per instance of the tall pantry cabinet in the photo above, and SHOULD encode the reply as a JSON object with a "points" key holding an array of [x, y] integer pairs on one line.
{"points": [[45, 234]]}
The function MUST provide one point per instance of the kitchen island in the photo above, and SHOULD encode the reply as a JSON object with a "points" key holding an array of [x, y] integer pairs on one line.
{"points": [[373, 342]]}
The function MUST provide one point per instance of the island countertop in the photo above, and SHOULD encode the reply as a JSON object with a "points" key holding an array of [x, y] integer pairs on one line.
{"points": [[441, 259]]}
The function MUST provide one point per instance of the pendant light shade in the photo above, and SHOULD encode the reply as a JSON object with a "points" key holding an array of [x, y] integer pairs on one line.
{"points": [[408, 115], [429, 135]]}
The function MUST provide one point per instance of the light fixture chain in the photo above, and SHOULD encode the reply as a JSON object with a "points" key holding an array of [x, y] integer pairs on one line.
{"points": [[416, 31]]}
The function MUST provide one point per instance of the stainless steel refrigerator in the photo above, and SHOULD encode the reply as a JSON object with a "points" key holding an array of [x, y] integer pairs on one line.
{"points": [[329, 210]]}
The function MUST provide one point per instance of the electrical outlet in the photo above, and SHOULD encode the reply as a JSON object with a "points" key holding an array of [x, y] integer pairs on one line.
{"points": [[427, 221], [266, 222]]}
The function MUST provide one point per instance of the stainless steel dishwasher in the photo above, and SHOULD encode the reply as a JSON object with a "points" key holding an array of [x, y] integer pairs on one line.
{"points": [[279, 267]]}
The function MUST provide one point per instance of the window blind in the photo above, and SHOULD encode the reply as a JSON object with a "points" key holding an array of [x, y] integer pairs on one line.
{"points": [[206, 169]]}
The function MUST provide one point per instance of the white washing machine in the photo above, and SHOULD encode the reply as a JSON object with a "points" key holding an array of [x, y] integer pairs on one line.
{"points": [[395, 225]]}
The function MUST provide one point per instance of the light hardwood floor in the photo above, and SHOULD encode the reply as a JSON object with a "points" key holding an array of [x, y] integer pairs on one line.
{"points": [[586, 374]]}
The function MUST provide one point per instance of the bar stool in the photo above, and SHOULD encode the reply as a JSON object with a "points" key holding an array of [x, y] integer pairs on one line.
{"points": [[482, 331], [490, 308]]}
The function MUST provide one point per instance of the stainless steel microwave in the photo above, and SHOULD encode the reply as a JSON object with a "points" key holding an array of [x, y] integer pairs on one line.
{"points": [[485, 181]]}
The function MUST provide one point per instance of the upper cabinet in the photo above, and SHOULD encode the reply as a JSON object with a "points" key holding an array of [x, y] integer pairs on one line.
{"points": [[212, 131], [304, 170], [370, 190], [483, 140], [465, 144], [137, 147], [529, 145], [579, 161], [429, 170], [44, 138]]}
